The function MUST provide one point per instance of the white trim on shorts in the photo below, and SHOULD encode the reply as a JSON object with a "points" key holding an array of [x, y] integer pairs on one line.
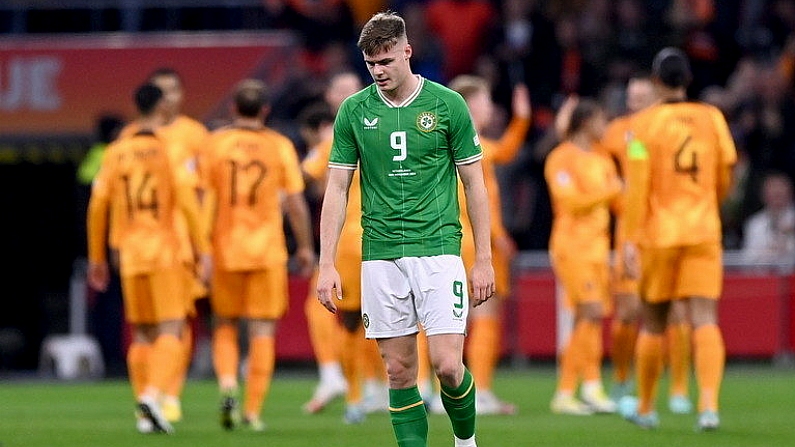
{"points": [[398, 294]]}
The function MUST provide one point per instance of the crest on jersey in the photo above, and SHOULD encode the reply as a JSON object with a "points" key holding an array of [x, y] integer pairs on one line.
{"points": [[426, 121]]}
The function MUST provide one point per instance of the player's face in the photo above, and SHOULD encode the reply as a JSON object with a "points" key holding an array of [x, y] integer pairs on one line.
{"points": [[481, 108], [341, 87], [172, 92], [390, 68]]}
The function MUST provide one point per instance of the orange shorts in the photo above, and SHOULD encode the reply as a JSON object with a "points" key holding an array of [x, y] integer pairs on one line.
{"points": [[252, 294], [500, 262], [583, 281], [155, 297], [681, 272]]}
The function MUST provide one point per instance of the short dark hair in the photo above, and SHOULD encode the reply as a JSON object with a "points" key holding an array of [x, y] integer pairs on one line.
{"points": [[381, 33], [316, 114], [250, 96], [146, 98], [585, 109], [672, 68]]}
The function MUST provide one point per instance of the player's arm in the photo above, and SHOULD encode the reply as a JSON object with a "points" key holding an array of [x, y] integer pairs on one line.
{"points": [[638, 177], [477, 203], [568, 196], [188, 203], [728, 156], [97, 228], [332, 218], [298, 215], [514, 136]]}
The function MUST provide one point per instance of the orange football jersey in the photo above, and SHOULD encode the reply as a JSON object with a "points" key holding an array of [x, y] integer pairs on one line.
{"points": [[142, 189], [315, 165], [678, 171], [582, 185], [248, 172]]}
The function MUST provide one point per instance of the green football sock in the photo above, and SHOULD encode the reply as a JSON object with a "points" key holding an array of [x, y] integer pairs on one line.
{"points": [[409, 418], [460, 405]]}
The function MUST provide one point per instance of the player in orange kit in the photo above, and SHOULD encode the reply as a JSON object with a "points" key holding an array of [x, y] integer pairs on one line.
{"points": [[251, 172], [640, 93], [583, 184], [186, 138], [485, 329], [679, 168], [144, 190]]}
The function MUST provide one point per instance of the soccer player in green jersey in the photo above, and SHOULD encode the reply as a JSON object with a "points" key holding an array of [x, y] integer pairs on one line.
{"points": [[409, 136]]}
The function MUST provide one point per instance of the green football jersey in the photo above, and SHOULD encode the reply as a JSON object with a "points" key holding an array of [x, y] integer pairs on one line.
{"points": [[407, 154]]}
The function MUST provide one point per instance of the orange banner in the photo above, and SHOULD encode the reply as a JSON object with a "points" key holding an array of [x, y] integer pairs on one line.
{"points": [[60, 85]]}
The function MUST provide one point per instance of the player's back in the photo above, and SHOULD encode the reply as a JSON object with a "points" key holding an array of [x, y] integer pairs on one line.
{"points": [[141, 186], [249, 170], [688, 146]]}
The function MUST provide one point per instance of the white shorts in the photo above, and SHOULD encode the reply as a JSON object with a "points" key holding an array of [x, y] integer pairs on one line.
{"points": [[397, 294]]}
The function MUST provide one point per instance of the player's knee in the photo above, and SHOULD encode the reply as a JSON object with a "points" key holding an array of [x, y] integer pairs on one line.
{"points": [[401, 373], [450, 371]]}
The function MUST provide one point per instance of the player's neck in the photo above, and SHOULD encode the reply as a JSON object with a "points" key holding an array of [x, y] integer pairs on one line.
{"points": [[406, 88], [249, 123], [582, 141]]}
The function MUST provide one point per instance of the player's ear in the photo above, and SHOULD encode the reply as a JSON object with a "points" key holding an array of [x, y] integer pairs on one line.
{"points": [[407, 51], [266, 110]]}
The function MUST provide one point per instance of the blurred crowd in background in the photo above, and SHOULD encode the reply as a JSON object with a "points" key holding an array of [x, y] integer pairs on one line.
{"points": [[742, 53]]}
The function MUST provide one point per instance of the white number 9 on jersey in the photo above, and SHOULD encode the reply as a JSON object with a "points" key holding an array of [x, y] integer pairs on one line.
{"points": [[397, 140]]}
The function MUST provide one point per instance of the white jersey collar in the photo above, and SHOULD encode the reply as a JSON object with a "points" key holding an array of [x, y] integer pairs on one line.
{"points": [[408, 100]]}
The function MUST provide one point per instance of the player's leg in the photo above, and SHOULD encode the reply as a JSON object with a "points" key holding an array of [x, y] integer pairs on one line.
{"points": [[443, 306], [484, 341], [387, 300], [350, 355], [702, 280], [376, 387], [678, 342], [588, 328], [658, 273], [624, 329], [227, 307], [265, 302], [324, 334]]}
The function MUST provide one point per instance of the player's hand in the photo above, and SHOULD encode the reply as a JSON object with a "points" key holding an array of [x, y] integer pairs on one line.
{"points": [[329, 287], [631, 260], [563, 118], [98, 276], [481, 282], [520, 102], [306, 261], [205, 268]]}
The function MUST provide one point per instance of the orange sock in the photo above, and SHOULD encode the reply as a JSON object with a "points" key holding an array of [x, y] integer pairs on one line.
{"points": [[624, 336], [163, 365], [482, 351], [350, 359], [648, 368], [710, 360], [261, 360], [178, 381], [424, 360], [572, 361], [591, 350], [678, 341], [138, 359], [226, 355], [324, 331]]}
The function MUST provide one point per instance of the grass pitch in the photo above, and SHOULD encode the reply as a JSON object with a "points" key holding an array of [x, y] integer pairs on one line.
{"points": [[757, 410]]}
